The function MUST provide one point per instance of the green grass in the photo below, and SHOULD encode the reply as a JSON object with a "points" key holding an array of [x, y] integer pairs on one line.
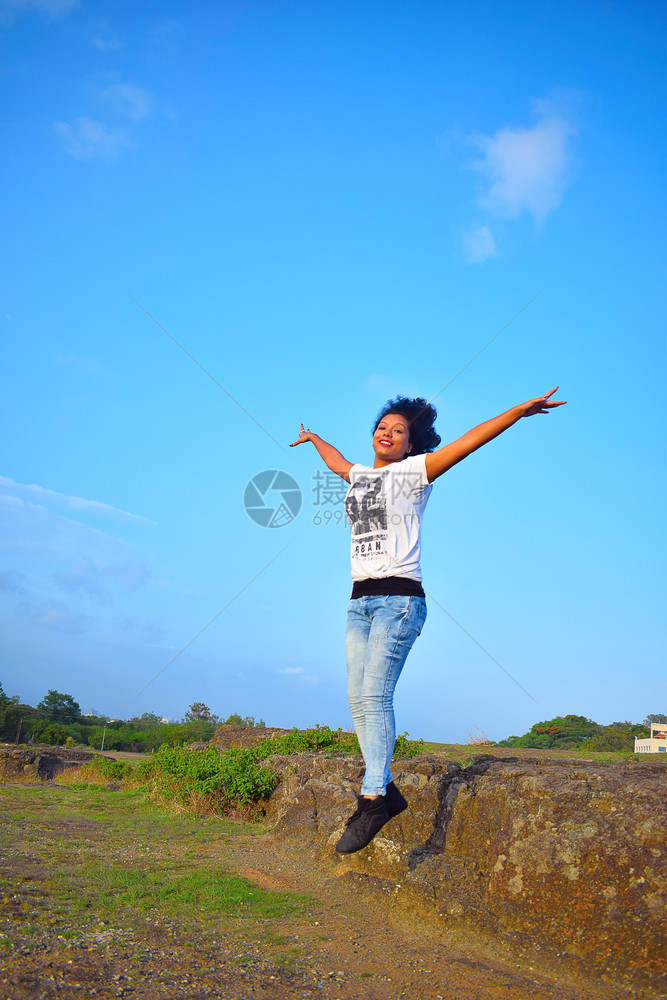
{"points": [[170, 890], [104, 853], [464, 754], [90, 876]]}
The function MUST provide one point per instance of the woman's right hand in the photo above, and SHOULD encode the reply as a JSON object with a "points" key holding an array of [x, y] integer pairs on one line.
{"points": [[304, 435], [541, 404]]}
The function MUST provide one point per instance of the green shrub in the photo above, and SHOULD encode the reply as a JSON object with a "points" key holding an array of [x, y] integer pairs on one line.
{"points": [[321, 738], [52, 734], [307, 741], [405, 747], [215, 780], [98, 771], [207, 780], [111, 770]]}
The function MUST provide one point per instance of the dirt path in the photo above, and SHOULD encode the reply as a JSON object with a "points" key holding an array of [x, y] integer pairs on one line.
{"points": [[372, 952], [100, 899]]}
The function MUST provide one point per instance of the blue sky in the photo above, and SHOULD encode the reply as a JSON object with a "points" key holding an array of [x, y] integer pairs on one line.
{"points": [[325, 205]]}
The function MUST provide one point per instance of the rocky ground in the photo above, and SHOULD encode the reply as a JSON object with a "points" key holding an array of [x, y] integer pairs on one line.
{"points": [[93, 905], [561, 863]]}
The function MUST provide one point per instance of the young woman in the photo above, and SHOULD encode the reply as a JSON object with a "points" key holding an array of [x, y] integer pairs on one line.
{"points": [[385, 505]]}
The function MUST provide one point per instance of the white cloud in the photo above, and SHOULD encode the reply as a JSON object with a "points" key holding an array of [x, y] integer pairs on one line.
{"points": [[479, 244], [127, 100], [67, 569], [526, 169], [64, 577], [300, 673], [11, 10], [85, 138], [76, 503]]}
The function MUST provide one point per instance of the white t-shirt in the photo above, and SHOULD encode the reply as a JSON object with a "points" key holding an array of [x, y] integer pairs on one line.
{"points": [[385, 509]]}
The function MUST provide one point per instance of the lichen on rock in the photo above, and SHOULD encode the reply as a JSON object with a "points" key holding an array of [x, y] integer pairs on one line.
{"points": [[552, 856]]}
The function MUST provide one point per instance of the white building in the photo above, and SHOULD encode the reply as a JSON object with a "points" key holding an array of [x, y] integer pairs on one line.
{"points": [[657, 742]]}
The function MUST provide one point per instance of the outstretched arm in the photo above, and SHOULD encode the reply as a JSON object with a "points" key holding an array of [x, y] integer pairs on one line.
{"points": [[331, 456], [440, 461]]}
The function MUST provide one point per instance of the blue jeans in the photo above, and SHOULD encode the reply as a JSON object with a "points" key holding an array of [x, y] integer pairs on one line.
{"points": [[380, 634]]}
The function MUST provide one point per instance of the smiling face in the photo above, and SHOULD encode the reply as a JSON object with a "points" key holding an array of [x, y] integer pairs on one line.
{"points": [[391, 440]]}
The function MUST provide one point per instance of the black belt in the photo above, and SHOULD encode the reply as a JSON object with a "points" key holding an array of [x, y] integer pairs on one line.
{"points": [[389, 586]]}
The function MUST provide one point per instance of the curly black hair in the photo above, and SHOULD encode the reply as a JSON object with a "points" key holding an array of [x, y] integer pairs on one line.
{"points": [[421, 415]]}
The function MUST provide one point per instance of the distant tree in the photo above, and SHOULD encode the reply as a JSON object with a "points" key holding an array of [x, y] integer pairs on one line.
{"points": [[146, 721], [52, 734], [199, 712], [660, 719], [124, 738], [91, 720], [629, 728], [234, 720], [564, 731], [8, 721], [13, 712], [248, 722], [612, 738], [60, 707]]}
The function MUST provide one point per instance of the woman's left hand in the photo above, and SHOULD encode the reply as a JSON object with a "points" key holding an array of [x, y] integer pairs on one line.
{"points": [[304, 435], [542, 404]]}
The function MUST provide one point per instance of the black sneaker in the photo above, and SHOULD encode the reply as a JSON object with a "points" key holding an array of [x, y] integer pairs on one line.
{"points": [[394, 801], [368, 819]]}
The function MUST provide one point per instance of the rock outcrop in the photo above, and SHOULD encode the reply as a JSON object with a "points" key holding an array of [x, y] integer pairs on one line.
{"points": [[556, 859], [38, 763]]}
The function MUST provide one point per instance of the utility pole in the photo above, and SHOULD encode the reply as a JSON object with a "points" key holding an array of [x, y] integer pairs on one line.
{"points": [[103, 735]]}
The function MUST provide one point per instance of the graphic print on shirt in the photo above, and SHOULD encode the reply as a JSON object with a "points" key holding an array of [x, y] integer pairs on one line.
{"points": [[366, 509]]}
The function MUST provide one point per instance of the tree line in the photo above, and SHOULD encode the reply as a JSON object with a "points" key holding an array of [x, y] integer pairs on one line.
{"points": [[568, 732], [58, 721]]}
